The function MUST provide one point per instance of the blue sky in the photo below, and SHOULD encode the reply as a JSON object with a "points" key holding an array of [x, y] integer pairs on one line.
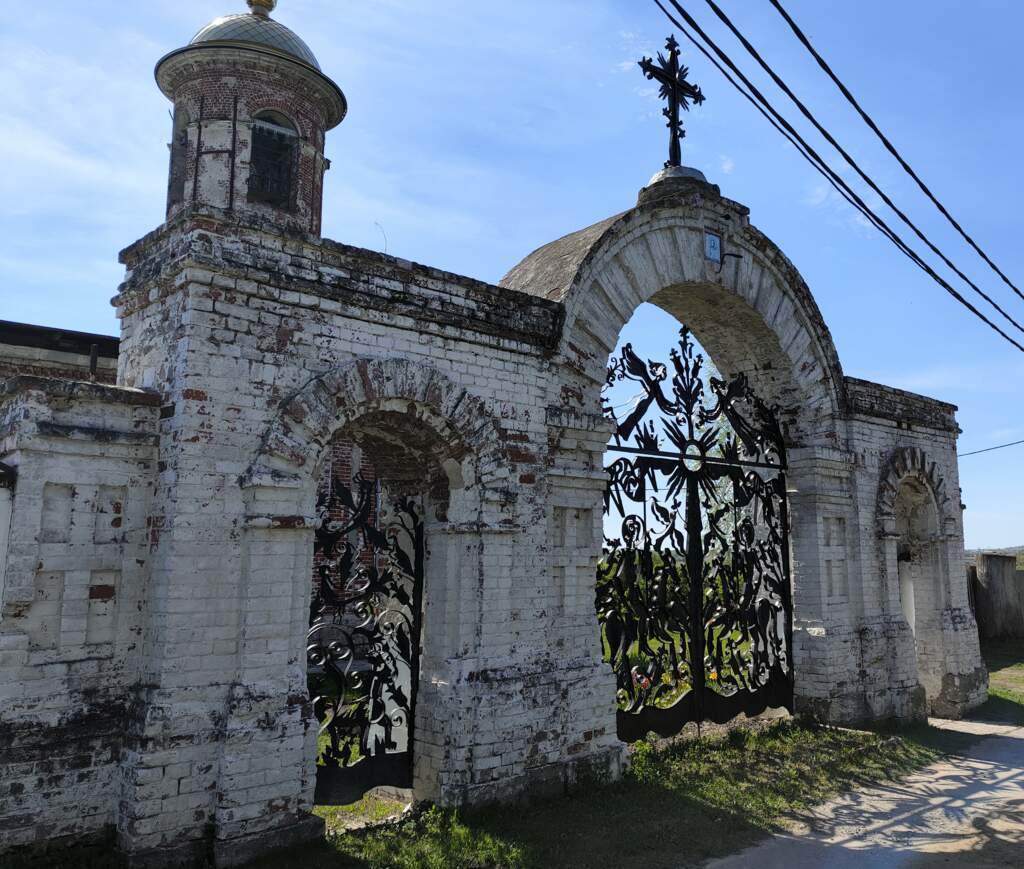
{"points": [[479, 131]]}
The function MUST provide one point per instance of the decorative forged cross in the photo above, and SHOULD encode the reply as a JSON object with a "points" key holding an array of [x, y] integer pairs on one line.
{"points": [[677, 90]]}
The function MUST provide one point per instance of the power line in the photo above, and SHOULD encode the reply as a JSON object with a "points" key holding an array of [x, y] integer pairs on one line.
{"points": [[753, 52], [990, 449], [889, 145], [805, 150], [778, 127], [808, 152]]}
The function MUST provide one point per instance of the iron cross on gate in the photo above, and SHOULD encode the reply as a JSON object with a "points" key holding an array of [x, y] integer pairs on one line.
{"points": [[677, 90]]}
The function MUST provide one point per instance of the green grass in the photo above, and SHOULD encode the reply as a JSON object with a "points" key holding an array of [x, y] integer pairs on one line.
{"points": [[323, 745], [368, 810], [676, 806], [1005, 661], [690, 801]]}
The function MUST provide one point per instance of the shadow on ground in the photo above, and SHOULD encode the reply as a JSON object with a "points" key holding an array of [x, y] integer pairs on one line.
{"points": [[698, 800], [680, 806], [966, 810]]}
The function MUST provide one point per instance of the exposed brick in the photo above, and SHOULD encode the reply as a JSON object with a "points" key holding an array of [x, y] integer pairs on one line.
{"points": [[156, 583]]}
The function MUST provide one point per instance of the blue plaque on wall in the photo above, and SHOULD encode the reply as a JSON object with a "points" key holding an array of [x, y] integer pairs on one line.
{"points": [[712, 247]]}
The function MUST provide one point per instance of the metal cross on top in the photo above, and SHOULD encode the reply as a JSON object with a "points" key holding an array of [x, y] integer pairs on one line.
{"points": [[677, 90]]}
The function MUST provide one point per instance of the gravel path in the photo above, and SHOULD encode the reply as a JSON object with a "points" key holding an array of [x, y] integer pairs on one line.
{"points": [[966, 812]]}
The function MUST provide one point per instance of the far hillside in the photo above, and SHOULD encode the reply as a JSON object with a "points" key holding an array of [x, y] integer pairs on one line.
{"points": [[972, 554]]}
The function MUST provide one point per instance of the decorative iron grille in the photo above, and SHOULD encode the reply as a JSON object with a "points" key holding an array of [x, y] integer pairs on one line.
{"points": [[271, 165], [693, 597], [364, 640]]}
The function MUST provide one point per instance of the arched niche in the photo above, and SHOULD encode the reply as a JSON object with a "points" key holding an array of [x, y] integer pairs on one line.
{"points": [[273, 160], [915, 523]]}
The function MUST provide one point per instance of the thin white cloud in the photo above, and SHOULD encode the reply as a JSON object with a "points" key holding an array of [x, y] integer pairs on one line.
{"points": [[1006, 433], [726, 164], [943, 379], [821, 195], [817, 195]]}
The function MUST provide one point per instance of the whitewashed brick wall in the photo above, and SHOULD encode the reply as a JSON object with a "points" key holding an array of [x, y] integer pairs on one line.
{"points": [[257, 346], [73, 593]]}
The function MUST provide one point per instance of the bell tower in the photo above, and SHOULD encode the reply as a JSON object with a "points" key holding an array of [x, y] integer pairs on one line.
{"points": [[251, 112]]}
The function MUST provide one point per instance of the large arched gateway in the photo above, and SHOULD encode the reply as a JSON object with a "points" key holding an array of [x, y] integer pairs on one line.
{"points": [[695, 254], [277, 394]]}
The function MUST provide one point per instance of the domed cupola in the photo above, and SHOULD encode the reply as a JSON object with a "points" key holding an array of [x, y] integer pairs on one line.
{"points": [[259, 30], [251, 110]]}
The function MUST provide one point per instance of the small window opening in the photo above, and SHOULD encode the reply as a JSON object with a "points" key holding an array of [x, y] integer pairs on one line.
{"points": [[179, 155], [272, 164]]}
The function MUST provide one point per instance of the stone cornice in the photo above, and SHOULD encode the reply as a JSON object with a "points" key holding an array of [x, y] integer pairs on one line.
{"points": [[78, 390], [250, 250]]}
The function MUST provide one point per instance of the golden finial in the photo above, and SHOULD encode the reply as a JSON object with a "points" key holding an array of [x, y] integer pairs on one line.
{"points": [[262, 8]]}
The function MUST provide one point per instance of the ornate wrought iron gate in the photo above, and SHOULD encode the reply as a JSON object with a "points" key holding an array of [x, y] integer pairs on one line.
{"points": [[364, 639], [694, 597]]}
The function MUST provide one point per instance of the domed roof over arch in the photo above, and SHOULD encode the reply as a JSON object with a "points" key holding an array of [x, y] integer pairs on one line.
{"points": [[749, 308]]}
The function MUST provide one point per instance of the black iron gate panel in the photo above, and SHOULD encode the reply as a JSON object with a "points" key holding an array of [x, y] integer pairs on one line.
{"points": [[693, 596], [364, 639]]}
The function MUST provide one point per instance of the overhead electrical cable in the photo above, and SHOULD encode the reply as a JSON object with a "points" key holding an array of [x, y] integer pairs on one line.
{"points": [[890, 147], [753, 52], [990, 449], [811, 158], [807, 151]]}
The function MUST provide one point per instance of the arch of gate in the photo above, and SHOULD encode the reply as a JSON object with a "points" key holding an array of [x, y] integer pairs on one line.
{"points": [[424, 418], [751, 310], [754, 314]]}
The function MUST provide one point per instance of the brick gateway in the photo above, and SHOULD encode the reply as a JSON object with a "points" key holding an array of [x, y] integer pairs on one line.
{"points": [[155, 580]]}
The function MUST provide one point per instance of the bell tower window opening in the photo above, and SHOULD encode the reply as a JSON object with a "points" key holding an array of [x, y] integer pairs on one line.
{"points": [[272, 164]]}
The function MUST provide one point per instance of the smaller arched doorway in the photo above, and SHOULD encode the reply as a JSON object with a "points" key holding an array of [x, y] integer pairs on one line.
{"points": [[422, 438], [914, 523], [920, 577], [386, 487]]}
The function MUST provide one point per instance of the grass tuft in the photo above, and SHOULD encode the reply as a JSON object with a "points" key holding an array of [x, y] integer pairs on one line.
{"points": [[1005, 661], [687, 801]]}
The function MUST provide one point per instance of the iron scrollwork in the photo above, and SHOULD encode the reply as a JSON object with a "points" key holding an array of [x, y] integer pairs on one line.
{"points": [[694, 596], [363, 645]]}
